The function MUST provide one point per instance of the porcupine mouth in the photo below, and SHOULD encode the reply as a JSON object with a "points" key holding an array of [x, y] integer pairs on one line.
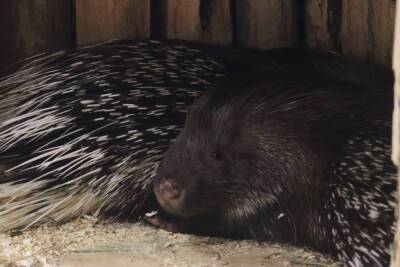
{"points": [[170, 202], [178, 205]]}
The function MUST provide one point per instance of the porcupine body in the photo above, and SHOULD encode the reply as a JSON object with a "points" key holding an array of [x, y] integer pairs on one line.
{"points": [[82, 131], [303, 159]]}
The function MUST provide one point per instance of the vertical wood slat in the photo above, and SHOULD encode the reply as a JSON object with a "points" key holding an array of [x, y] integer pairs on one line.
{"points": [[395, 261], [360, 28], [267, 24], [98, 20], [323, 23], [158, 19], [368, 28], [29, 27], [206, 21]]}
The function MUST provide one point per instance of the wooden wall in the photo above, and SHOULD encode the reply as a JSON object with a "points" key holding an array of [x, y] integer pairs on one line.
{"points": [[264, 24], [111, 19], [196, 20], [362, 28], [31, 26]]}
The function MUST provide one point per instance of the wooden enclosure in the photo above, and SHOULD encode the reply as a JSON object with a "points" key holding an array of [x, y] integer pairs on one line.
{"points": [[357, 28], [361, 28]]}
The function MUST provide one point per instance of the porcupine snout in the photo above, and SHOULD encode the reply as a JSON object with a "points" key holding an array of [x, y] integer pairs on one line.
{"points": [[180, 193], [170, 195]]}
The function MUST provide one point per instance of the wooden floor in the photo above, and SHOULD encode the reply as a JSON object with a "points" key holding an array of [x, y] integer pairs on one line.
{"points": [[86, 242]]}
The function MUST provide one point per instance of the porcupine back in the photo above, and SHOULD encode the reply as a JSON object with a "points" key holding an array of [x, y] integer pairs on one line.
{"points": [[361, 198]]}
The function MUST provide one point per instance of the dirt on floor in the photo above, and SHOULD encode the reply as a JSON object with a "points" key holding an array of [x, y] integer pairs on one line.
{"points": [[89, 242]]}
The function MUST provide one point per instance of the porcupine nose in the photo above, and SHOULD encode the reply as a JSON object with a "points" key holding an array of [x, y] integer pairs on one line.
{"points": [[169, 195]]}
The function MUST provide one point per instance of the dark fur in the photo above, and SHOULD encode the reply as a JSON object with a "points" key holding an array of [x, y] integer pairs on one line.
{"points": [[259, 157]]}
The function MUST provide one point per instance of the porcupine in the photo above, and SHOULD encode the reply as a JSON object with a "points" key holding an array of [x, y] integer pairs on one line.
{"points": [[60, 156], [292, 157], [81, 131]]}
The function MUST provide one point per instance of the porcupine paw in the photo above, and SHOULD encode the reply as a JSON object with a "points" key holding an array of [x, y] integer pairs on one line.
{"points": [[166, 223]]}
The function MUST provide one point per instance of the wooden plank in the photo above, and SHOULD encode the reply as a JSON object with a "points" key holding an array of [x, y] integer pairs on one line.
{"points": [[158, 19], [32, 26], [356, 36], [367, 29], [206, 21], [359, 28], [323, 20], [395, 261], [383, 23], [267, 24], [98, 20]]}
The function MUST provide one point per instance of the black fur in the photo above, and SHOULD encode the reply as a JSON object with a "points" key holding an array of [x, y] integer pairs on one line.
{"points": [[275, 157]]}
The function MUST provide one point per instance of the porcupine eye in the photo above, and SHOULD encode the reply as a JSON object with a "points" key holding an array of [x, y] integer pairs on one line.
{"points": [[216, 155]]}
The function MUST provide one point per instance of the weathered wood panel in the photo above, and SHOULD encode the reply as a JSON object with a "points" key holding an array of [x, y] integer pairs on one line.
{"points": [[322, 24], [396, 133], [360, 28], [265, 24], [368, 28], [28, 27], [198, 20], [98, 20]]}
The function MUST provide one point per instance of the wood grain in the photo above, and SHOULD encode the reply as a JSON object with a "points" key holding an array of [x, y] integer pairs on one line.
{"points": [[206, 21], [318, 20], [98, 20], [358, 28], [28, 27], [267, 24]]}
